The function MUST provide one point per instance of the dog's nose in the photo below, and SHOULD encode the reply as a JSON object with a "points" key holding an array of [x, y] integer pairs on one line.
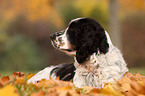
{"points": [[53, 36]]}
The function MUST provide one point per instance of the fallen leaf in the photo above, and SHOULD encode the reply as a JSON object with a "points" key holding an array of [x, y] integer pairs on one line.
{"points": [[19, 74], [109, 90], [39, 93], [29, 76], [8, 90], [4, 80]]}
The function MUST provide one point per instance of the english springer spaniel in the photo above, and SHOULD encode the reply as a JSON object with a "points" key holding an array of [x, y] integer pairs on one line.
{"points": [[97, 60]]}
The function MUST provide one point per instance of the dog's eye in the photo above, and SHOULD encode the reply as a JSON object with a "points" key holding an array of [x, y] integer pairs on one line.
{"points": [[60, 33], [60, 39]]}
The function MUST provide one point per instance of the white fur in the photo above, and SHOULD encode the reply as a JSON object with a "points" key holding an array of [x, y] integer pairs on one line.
{"points": [[101, 68], [43, 74], [65, 41], [64, 44], [75, 20]]}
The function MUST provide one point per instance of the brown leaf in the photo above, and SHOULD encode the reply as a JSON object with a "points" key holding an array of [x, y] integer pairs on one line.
{"points": [[19, 78], [39, 93], [52, 91], [138, 88], [18, 74], [67, 91], [63, 83], [57, 78], [94, 90], [4, 80]]}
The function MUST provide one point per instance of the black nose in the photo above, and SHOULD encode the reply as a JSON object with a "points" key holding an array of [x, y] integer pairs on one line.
{"points": [[53, 36]]}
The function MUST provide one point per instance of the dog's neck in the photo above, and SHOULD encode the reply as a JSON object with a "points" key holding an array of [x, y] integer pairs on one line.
{"points": [[100, 68], [94, 61]]}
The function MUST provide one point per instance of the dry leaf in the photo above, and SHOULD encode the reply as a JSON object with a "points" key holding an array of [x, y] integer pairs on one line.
{"points": [[8, 90], [18, 74], [129, 85], [19, 78], [4, 80], [39, 93], [29, 76], [109, 90]]}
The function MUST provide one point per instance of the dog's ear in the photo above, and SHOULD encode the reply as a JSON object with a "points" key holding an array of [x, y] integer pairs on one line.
{"points": [[91, 39], [82, 54], [103, 46]]}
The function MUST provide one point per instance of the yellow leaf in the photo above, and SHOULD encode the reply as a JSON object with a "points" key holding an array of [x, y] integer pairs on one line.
{"points": [[8, 90], [109, 90]]}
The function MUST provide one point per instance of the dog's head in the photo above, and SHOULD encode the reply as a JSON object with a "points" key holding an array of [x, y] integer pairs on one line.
{"points": [[82, 38]]}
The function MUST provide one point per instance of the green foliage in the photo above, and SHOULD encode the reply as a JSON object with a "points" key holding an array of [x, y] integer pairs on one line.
{"points": [[96, 9], [20, 53], [68, 10], [140, 70]]}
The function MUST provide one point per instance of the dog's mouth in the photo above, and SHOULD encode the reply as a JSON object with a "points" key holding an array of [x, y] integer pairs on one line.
{"points": [[71, 52], [58, 46]]}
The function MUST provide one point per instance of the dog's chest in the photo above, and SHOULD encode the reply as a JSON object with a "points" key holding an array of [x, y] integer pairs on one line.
{"points": [[100, 70]]}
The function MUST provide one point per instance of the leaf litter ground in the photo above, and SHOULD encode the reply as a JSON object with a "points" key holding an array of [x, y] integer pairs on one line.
{"points": [[15, 85]]}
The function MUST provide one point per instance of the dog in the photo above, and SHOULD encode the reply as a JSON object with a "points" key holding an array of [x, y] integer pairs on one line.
{"points": [[96, 60]]}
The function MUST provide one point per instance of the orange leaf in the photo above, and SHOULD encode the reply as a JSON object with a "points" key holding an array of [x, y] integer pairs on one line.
{"points": [[57, 78], [19, 74], [94, 90], [29, 76], [39, 93], [4, 80]]}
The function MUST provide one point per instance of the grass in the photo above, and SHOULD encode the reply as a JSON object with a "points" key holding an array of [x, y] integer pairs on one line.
{"points": [[140, 70], [132, 70], [9, 73]]}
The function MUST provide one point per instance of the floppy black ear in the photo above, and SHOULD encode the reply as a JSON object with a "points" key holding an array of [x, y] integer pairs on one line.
{"points": [[103, 47], [82, 54], [91, 39], [85, 42]]}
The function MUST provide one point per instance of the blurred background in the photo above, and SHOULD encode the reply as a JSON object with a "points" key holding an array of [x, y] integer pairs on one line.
{"points": [[25, 27]]}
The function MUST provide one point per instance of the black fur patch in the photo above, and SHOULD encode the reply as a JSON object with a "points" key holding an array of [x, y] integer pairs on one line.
{"points": [[64, 71], [88, 37]]}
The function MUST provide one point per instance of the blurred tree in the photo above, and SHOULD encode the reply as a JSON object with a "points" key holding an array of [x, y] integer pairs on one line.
{"points": [[131, 6], [96, 9], [117, 7], [114, 23], [133, 28], [33, 10], [132, 13], [21, 53]]}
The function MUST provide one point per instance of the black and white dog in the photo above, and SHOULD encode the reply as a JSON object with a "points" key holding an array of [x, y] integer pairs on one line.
{"points": [[97, 61]]}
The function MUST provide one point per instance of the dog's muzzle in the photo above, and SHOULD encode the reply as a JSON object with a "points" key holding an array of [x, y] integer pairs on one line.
{"points": [[53, 36]]}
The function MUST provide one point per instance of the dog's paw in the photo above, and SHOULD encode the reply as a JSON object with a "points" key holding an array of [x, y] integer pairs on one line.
{"points": [[43, 74]]}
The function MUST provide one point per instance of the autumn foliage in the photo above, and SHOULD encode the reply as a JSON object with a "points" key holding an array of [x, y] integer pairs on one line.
{"points": [[15, 85]]}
